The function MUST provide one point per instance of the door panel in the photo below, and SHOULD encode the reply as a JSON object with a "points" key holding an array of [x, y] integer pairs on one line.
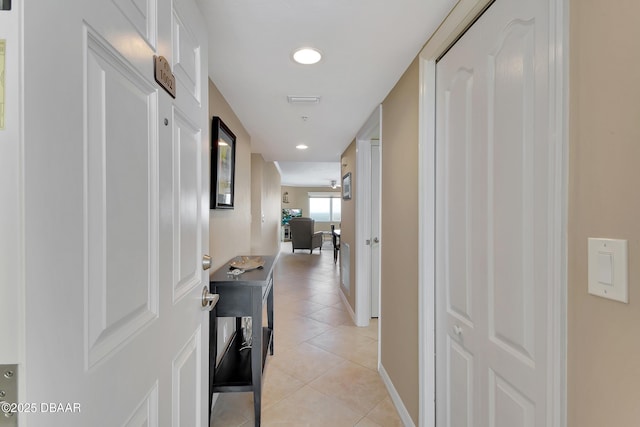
{"points": [[187, 382], [507, 406], [460, 365], [492, 166], [457, 122], [121, 190], [186, 53], [187, 170], [511, 180], [142, 14], [146, 414], [116, 208]]}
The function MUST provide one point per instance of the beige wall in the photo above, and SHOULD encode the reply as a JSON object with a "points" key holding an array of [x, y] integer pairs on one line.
{"points": [[271, 207], [230, 229], [603, 345], [257, 170], [299, 198], [399, 287], [604, 342], [265, 207], [348, 225]]}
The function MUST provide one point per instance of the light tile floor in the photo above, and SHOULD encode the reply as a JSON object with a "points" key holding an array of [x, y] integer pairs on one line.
{"points": [[324, 370]]}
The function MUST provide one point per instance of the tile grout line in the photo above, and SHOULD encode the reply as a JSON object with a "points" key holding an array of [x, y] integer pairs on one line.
{"points": [[295, 336]]}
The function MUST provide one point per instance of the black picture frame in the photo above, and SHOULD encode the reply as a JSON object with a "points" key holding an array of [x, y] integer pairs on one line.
{"points": [[223, 165], [346, 186]]}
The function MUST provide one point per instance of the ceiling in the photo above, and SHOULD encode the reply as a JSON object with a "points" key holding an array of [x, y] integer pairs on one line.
{"points": [[366, 44], [310, 174]]}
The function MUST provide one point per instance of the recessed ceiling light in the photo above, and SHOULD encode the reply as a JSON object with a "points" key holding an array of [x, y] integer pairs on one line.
{"points": [[301, 147], [307, 56]]}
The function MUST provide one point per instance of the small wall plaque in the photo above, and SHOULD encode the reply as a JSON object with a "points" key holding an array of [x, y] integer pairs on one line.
{"points": [[163, 74]]}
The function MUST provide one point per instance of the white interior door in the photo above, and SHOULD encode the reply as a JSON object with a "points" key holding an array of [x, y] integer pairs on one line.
{"points": [[116, 213], [368, 213], [494, 203], [375, 227]]}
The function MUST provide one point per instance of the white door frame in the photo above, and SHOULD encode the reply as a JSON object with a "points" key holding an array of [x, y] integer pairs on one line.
{"points": [[371, 129], [463, 15], [12, 260]]}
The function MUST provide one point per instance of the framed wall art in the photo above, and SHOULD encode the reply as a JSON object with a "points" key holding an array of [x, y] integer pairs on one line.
{"points": [[346, 186], [223, 165]]}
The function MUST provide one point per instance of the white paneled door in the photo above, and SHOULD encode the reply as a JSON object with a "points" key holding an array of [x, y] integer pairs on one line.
{"points": [[494, 206], [376, 193], [116, 205]]}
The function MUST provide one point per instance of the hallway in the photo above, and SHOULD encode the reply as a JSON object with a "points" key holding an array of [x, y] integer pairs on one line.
{"points": [[324, 369]]}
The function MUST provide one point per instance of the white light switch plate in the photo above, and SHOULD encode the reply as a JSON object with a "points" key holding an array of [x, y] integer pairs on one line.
{"points": [[608, 269]]}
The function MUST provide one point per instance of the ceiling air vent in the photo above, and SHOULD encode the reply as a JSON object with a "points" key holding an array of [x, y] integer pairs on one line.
{"points": [[308, 100]]}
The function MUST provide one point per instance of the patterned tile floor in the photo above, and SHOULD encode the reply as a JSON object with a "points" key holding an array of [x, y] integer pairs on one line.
{"points": [[324, 370]]}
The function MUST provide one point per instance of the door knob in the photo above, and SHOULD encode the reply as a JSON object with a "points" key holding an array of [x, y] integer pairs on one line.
{"points": [[206, 262], [457, 330], [376, 240], [209, 300]]}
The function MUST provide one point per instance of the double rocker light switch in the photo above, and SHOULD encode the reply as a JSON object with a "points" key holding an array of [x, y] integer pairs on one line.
{"points": [[608, 269]]}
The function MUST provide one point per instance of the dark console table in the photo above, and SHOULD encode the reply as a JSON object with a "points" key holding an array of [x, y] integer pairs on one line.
{"points": [[241, 296]]}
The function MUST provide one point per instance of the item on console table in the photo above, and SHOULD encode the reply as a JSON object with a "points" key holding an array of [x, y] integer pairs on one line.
{"points": [[247, 263]]}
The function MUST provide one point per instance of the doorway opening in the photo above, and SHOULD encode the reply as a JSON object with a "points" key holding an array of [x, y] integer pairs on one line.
{"points": [[368, 238]]}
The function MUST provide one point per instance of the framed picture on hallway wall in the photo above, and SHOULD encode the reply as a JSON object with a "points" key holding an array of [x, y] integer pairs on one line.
{"points": [[223, 165], [346, 186]]}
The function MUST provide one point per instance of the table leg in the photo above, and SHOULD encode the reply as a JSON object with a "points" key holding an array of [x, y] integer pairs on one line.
{"points": [[270, 318], [213, 352], [256, 352]]}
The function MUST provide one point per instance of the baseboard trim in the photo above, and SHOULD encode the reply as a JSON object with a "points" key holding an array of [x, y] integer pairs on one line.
{"points": [[395, 397], [345, 301]]}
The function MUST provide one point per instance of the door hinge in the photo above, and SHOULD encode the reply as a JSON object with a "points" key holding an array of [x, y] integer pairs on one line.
{"points": [[9, 396]]}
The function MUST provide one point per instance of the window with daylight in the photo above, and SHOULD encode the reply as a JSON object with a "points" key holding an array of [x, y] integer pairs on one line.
{"points": [[325, 207]]}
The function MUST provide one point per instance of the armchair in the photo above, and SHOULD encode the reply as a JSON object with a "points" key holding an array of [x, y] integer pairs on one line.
{"points": [[302, 235]]}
